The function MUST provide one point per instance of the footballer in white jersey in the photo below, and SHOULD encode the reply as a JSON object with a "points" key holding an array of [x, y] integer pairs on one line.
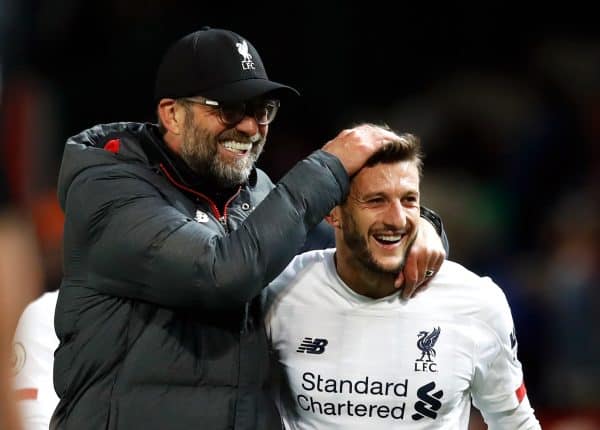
{"points": [[34, 344], [352, 362], [350, 353]]}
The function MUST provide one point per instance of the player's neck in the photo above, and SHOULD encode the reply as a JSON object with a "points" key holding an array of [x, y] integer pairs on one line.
{"points": [[363, 280]]}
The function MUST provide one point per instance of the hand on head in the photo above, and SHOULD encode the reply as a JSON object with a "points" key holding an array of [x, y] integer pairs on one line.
{"points": [[355, 146]]}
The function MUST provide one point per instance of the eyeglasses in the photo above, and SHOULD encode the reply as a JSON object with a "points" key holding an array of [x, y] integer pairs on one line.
{"points": [[230, 114]]}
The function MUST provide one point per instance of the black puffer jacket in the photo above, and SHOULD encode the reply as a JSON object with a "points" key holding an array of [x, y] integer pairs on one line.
{"points": [[157, 318]]}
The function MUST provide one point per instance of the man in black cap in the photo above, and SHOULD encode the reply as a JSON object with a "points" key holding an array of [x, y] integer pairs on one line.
{"points": [[170, 235]]}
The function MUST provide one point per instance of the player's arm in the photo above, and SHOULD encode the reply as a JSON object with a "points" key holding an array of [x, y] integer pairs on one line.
{"points": [[498, 388], [520, 418]]}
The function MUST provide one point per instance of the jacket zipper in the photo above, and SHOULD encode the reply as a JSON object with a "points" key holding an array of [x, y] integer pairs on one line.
{"points": [[213, 207], [222, 220]]}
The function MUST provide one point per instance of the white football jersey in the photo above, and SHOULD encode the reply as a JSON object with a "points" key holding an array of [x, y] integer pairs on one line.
{"points": [[34, 344], [347, 361]]}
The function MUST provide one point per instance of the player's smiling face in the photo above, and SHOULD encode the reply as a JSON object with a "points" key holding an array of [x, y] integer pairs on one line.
{"points": [[380, 218]]}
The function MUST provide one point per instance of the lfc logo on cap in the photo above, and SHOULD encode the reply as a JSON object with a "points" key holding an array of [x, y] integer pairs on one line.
{"points": [[247, 62]]}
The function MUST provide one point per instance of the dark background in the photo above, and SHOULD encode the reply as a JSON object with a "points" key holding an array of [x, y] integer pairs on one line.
{"points": [[506, 100]]}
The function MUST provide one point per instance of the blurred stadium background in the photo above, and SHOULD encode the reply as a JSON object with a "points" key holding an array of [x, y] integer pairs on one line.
{"points": [[507, 103]]}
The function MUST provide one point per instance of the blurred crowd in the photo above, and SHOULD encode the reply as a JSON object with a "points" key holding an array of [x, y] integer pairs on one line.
{"points": [[513, 166], [509, 116]]}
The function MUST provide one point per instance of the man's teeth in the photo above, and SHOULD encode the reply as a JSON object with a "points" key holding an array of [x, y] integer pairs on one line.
{"points": [[237, 146], [388, 238]]}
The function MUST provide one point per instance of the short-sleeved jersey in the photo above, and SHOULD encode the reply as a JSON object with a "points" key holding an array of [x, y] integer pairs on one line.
{"points": [[34, 345], [347, 361]]}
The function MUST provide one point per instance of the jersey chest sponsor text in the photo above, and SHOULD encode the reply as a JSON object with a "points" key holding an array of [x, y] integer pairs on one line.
{"points": [[367, 397], [340, 378]]}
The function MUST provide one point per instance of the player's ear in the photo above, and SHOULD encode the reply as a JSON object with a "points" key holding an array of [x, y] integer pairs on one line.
{"points": [[334, 217]]}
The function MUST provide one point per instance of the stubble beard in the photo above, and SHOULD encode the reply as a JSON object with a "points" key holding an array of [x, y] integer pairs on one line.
{"points": [[200, 151], [357, 243]]}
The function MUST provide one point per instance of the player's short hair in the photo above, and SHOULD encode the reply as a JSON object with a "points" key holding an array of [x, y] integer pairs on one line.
{"points": [[406, 148]]}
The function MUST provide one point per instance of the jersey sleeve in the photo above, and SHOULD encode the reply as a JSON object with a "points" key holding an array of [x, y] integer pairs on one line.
{"points": [[520, 418], [34, 343], [498, 388]]}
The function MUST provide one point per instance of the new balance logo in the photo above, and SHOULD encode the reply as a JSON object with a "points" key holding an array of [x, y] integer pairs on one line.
{"points": [[513, 339], [313, 346], [513, 344], [428, 405]]}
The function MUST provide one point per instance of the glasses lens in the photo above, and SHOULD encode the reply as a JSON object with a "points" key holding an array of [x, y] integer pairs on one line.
{"points": [[265, 111], [232, 113]]}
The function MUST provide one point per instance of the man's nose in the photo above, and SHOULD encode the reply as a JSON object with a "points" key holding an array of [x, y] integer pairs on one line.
{"points": [[248, 125], [396, 214]]}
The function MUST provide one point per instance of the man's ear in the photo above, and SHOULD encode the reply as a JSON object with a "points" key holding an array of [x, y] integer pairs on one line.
{"points": [[334, 217], [171, 116]]}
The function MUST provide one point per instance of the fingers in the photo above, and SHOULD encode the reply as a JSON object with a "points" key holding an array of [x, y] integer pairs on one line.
{"points": [[355, 146], [411, 273], [370, 134], [423, 277], [438, 261], [423, 261], [399, 280]]}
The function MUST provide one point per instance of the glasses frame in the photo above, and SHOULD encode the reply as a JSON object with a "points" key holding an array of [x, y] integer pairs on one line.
{"points": [[222, 116]]}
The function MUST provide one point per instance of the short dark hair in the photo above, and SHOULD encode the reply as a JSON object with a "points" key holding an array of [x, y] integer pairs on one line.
{"points": [[406, 148]]}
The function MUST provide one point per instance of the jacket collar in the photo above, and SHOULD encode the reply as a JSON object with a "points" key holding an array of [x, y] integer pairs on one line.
{"points": [[159, 153]]}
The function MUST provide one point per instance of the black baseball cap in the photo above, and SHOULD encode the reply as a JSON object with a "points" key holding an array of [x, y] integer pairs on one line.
{"points": [[217, 64]]}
